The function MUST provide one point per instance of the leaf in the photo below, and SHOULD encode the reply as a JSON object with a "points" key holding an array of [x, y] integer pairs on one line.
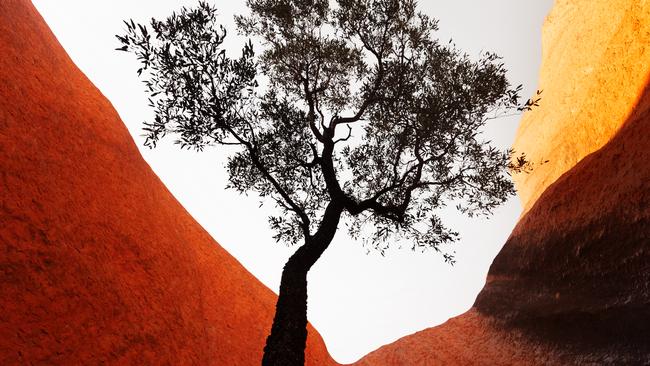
{"points": [[124, 39]]}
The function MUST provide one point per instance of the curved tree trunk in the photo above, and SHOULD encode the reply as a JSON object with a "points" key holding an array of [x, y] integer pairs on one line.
{"points": [[285, 346], [286, 343]]}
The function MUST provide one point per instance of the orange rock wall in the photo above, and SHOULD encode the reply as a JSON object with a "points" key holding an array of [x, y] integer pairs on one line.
{"points": [[595, 64], [575, 272], [469, 339], [571, 286], [99, 264]]}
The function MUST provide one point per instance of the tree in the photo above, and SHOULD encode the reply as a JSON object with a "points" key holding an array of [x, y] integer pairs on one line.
{"points": [[364, 117]]}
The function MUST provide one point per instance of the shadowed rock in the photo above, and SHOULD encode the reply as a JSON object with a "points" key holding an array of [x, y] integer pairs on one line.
{"points": [[572, 283], [100, 264]]}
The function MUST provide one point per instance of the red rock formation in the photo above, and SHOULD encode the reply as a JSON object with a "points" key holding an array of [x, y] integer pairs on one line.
{"points": [[595, 64], [99, 264], [470, 339], [572, 283], [576, 269]]}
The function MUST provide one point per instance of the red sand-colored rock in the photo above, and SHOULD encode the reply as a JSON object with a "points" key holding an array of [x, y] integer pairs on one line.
{"points": [[595, 64], [576, 269], [99, 264], [572, 283], [470, 339]]}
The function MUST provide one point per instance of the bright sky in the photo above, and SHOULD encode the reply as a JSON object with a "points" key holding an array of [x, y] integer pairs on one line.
{"points": [[357, 301]]}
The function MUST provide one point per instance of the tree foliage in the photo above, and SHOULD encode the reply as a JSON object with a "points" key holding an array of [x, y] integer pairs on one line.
{"points": [[360, 105]]}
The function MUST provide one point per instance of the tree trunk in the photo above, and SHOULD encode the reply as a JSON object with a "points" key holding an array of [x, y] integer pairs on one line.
{"points": [[285, 346]]}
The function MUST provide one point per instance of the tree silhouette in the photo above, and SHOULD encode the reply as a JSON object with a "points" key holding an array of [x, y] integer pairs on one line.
{"points": [[363, 116]]}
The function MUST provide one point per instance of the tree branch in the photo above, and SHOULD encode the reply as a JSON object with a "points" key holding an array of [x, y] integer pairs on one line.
{"points": [[252, 152]]}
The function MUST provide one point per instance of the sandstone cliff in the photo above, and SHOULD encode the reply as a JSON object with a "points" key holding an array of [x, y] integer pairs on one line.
{"points": [[99, 264], [572, 283], [595, 65]]}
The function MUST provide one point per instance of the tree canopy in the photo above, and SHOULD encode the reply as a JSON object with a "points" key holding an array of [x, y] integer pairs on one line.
{"points": [[360, 104], [337, 110]]}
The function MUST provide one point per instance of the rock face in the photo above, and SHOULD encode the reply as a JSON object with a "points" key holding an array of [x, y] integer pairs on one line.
{"points": [[99, 264], [572, 283], [576, 269], [596, 63]]}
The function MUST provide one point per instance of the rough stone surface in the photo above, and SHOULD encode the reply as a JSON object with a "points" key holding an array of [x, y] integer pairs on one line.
{"points": [[470, 339], [595, 64], [99, 264], [575, 272], [572, 283]]}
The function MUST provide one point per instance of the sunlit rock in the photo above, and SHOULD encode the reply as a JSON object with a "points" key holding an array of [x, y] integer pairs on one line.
{"points": [[99, 264], [572, 284], [595, 65]]}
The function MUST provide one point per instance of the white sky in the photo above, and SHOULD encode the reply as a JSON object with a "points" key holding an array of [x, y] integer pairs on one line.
{"points": [[357, 301]]}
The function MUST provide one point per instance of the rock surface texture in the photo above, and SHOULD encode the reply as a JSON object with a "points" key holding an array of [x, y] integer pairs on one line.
{"points": [[595, 66], [99, 264], [572, 284]]}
